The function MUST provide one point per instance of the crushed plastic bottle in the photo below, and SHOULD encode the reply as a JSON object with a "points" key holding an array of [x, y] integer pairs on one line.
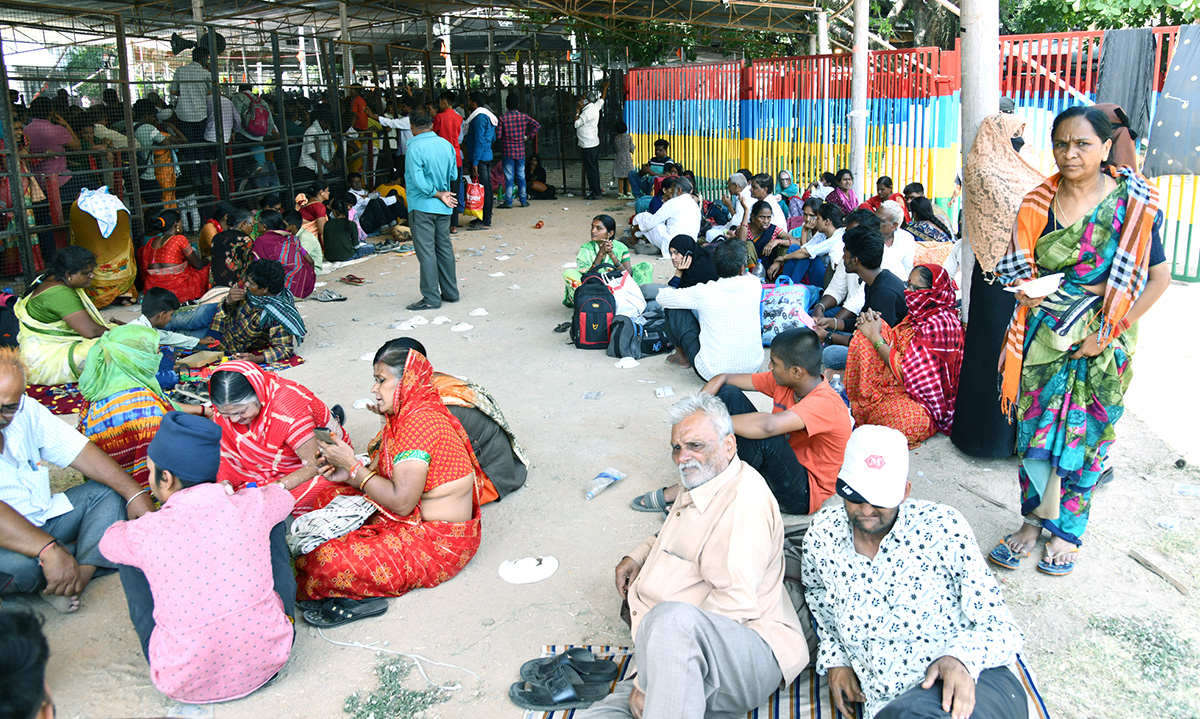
{"points": [[602, 480]]}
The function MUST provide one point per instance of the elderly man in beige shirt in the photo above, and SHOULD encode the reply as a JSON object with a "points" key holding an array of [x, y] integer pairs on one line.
{"points": [[714, 631]]}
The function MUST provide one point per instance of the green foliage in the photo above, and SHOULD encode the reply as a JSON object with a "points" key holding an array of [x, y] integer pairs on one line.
{"points": [[393, 700], [83, 60], [1039, 16], [1166, 658]]}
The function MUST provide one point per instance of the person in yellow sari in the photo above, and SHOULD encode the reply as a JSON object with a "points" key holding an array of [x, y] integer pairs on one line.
{"points": [[100, 224], [59, 323]]}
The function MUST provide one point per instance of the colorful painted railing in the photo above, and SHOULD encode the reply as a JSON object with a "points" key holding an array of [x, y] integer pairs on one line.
{"points": [[791, 113]]}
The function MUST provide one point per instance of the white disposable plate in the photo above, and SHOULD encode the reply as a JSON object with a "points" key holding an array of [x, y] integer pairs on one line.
{"points": [[528, 570], [1041, 287]]}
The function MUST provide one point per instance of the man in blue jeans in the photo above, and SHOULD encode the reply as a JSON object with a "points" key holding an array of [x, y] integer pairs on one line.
{"points": [[516, 128], [798, 447]]}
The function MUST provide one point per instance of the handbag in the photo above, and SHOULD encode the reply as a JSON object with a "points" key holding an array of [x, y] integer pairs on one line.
{"points": [[784, 306], [474, 205]]}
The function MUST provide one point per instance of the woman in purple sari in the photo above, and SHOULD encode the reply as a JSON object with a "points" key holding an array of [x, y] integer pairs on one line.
{"points": [[280, 245]]}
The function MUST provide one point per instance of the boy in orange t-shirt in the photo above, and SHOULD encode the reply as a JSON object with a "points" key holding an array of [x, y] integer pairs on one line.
{"points": [[798, 446]]}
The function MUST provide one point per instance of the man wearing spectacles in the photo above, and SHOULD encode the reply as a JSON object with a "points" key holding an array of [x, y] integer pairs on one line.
{"points": [[49, 541]]}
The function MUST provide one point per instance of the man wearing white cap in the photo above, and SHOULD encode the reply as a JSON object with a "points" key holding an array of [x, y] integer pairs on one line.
{"points": [[911, 621]]}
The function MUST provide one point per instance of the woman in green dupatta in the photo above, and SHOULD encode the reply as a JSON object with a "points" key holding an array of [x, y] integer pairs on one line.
{"points": [[1067, 359], [125, 402], [603, 249], [59, 323]]}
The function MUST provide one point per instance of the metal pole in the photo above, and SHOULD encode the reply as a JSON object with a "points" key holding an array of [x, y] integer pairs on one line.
{"points": [[562, 148], [336, 109], [980, 57], [347, 51], [15, 184], [281, 117], [823, 33], [858, 95], [221, 166], [135, 187]]}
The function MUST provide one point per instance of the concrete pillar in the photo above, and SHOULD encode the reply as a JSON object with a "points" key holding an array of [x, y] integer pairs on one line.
{"points": [[812, 44], [858, 97], [198, 16], [347, 52], [823, 33], [980, 96]]}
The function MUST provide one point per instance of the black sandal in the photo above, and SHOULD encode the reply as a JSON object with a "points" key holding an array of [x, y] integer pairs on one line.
{"points": [[562, 689], [590, 669], [340, 610]]}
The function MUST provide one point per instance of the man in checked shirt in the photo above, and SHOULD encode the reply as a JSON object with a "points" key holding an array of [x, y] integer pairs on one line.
{"points": [[910, 620]]}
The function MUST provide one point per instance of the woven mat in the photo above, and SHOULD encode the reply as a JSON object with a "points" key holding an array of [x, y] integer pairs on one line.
{"points": [[66, 399], [806, 697]]}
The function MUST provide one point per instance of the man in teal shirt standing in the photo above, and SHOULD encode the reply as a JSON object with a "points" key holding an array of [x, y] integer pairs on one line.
{"points": [[431, 165]]}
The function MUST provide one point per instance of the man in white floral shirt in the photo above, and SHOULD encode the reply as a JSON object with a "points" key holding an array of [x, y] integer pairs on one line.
{"points": [[911, 621]]}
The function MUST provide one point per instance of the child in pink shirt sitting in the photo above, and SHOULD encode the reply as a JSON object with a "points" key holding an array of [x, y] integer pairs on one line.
{"points": [[207, 579]]}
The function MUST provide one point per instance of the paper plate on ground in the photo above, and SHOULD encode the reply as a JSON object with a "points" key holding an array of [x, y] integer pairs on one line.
{"points": [[528, 570], [1041, 287]]}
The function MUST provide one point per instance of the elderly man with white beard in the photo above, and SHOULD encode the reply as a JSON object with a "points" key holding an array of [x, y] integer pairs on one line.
{"points": [[714, 631]]}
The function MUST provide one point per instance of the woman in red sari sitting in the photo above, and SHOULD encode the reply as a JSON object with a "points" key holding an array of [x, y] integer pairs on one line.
{"points": [[906, 377], [171, 262], [267, 425], [424, 486]]}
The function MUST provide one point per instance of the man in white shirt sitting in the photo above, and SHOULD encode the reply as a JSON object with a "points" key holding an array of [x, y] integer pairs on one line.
{"points": [[715, 325], [762, 187], [679, 215], [50, 541], [911, 621], [739, 194]]}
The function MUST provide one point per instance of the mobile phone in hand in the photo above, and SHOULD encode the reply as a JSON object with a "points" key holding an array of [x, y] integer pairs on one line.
{"points": [[323, 435]]}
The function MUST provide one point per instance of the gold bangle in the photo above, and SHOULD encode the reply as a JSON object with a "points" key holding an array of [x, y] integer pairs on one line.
{"points": [[362, 486]]}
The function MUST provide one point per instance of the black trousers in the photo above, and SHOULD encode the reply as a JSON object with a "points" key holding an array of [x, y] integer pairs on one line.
{"points": [[456, 188], [772, 457], [141, 601], [998, 695], [484, 171], [591, 170], [683, 329], [377, 213]]}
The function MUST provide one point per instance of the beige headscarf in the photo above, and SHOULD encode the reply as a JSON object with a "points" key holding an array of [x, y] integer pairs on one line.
{"points": [[995, 180]]}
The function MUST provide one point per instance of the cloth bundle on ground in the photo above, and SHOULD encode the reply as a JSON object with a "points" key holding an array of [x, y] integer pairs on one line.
{"points": [[501, 456], [124, 401]]}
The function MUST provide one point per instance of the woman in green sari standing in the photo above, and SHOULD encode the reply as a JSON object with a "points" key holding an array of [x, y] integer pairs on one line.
{"points": [[1067, 358]]}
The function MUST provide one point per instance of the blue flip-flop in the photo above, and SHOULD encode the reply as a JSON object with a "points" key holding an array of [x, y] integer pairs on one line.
{"points": [[1004, 557], [1047, 565]]}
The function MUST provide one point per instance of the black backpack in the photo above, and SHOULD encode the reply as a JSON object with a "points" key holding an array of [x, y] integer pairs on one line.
{"points": [[638, 340], [595, 309]]}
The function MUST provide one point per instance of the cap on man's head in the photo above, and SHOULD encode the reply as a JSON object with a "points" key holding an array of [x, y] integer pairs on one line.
{"points": [[875, 470], [187, 446], [1007, 105]]}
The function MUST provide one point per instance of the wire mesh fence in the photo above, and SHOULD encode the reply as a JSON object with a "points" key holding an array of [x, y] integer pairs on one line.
{"points": [[131, 105]]}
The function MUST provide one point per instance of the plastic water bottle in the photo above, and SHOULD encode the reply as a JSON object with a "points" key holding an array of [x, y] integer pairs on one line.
{"points": [[602, 480], [836, 384], [760, 271]]}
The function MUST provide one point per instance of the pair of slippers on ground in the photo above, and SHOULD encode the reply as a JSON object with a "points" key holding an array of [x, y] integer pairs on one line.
{"points": [[572, 680]]}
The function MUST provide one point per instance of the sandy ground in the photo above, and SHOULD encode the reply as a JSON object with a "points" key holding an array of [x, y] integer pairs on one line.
{"points": [[486, 626]]}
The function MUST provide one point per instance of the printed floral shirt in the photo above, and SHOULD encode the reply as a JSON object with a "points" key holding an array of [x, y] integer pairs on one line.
{"points": [[925, 595]]}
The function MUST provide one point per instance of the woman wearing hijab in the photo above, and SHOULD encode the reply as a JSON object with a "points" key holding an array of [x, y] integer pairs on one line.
{"points": [[267, 430], [424, 487], [789, 194], [124, 402], [906, 377], [1067, 358], [996, 177], [693, 264]]}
